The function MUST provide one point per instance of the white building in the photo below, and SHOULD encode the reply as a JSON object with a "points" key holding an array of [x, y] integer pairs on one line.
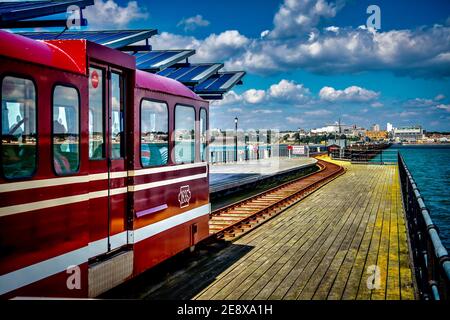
{"points": [[408, 133], [376, 127], [389, 127], [332, 128]]}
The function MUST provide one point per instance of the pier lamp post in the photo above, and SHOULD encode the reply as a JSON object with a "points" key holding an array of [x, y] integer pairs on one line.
{"points": [[235, 138]]}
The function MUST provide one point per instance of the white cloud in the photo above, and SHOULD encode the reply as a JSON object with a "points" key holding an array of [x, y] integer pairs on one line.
{"points": [[281, 92], [296, 42], [439, 97], [419, 102], [192, 23], [215, 47], [254, 96], [108, 14], [264, 33], [445, 107], [166, 40], [267, 111], [423, 52], [229, 98], [351, 94], [320, 112], [332, 29], [377, 104], [295, 120], [300, 16], [420, 53], [289, 90], [407, 114]]}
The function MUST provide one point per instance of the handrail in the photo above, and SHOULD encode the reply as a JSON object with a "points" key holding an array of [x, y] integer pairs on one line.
{"points": [[369, 156], [431, 259]]}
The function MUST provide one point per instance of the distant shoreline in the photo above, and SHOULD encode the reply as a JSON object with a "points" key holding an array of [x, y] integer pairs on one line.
{"points": [[421, 144]]}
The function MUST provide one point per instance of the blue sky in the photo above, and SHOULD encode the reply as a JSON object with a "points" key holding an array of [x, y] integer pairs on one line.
{"points": [[316, 62]]}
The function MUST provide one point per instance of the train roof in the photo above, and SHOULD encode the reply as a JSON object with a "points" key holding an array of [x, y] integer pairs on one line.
{"points": [[39, 52], [70, 55], [155, 82]]}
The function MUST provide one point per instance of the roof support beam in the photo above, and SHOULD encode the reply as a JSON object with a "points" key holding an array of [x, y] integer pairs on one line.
{"points": [[21, 11], [40, 23], [136, 48]]}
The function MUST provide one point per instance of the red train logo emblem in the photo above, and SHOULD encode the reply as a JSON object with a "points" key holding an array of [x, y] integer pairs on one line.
{"points": [[184, 196], [94, 79]]}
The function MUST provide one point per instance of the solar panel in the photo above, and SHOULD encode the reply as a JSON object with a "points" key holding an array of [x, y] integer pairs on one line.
{"points": [[220, 83], [204, 79], [191, 74], [157, 60], [115, 39], [14, 11]]}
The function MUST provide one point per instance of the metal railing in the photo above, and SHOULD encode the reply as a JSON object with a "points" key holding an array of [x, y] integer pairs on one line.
{"points": [[431, 259], [365, 156], [227, 154]]}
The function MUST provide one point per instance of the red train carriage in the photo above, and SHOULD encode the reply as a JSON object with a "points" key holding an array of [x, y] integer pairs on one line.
{"points": [[103, 171]]}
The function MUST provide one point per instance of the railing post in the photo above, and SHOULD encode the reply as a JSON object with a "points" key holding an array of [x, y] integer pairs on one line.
{"points": [[224, 146]]}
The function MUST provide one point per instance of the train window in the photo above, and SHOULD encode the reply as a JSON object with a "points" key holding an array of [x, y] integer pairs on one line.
{"points": [[96, 114], [18, 127], [154, 133], [184, 134], [66, 131], [117, 139], [203, 128]]}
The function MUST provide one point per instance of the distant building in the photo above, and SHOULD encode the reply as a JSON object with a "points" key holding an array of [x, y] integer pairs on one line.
{"points": [[389, 127], [358, 131], [377, 135], [341, 143], [333, 128], [409, 133], [376, 127], [302, 133]]}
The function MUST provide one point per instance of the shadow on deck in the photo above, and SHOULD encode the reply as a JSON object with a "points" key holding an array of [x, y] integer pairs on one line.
{"points": [[183, 276]]}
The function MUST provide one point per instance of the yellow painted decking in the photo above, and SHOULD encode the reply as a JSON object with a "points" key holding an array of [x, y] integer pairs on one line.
{"points": [[329, 246]]}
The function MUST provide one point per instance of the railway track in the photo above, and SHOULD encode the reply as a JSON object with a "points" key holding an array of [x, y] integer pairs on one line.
{"points": [[234, 220]]}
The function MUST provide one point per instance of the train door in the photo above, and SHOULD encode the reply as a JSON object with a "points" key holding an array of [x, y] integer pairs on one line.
{"points": [[107, 159]]}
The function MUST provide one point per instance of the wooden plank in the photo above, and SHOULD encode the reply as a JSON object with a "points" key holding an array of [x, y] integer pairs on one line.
{"points": [[364, 292], [383, 250], [342, 277], [337, 274], [251, 265], [254, 291], [393, 282], [358, 276], [318, 265], [271, 279], [294, 268]]}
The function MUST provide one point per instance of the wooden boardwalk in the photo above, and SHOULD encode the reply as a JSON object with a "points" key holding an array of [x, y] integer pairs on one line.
{"points": [[345, 241]]}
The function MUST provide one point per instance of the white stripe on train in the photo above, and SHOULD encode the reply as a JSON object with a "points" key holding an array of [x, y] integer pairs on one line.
{"points": [[33, 184], [44, 204], [44, 269]]}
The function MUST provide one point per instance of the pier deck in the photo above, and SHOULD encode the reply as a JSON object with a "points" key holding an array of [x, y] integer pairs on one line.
{"points": [[231, 175], [328, 246]]}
